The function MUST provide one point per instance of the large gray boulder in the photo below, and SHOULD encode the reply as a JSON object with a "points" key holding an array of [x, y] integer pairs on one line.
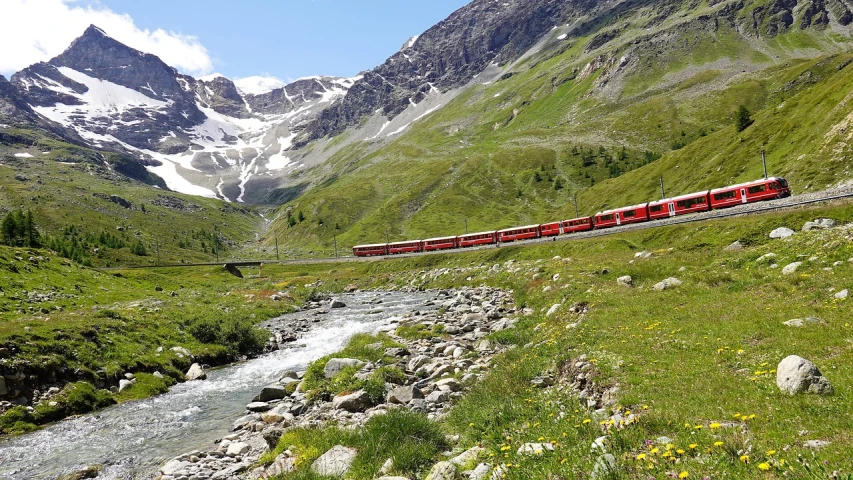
{"points": [[781, 232], [796, 374], [195, 373], [625, 281], [404, 395], [272, 392], [443, 471], [667, 284], [819, 224], [791, 268], [335, 365], [354, 402], [336, 462]]}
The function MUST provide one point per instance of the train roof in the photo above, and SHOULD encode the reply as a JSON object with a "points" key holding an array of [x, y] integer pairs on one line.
{"points": [[681, 197], [620, 209], [404, 242], [746, 184], [478, 233], [373, 245], [440, 238], [518, 228]]}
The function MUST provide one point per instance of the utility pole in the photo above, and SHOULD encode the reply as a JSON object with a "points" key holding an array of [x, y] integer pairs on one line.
{"points": [[577, 214], [386, 236], [764, 162], [216, 243], [466, 226], [157, 246], [336, 246], [662, 193]]}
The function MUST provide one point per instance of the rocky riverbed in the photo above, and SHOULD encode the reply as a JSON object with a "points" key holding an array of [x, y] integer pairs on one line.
{"points": [[438, 370]]}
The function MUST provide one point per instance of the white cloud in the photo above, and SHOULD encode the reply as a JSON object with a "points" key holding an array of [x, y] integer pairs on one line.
{"points": [[38, 30]]}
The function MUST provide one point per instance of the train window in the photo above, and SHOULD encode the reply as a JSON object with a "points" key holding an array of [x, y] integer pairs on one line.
{"points": [[783, 183], [629, 213], [606, 217], [757, 188], [688, 203], [656, 208], [725, 195]]}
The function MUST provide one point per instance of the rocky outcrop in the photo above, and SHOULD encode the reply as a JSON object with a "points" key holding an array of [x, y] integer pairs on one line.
{"points": [[797, 375]]}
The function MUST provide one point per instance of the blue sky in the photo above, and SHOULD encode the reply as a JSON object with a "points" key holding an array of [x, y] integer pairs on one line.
{"points": [[289, 39]]}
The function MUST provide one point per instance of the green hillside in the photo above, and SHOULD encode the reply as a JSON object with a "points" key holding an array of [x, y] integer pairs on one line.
{"points": [[598, 120], [85, 205]]}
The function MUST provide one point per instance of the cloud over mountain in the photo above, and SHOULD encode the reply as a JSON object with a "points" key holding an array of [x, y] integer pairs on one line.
{"points": [[42, 29]]}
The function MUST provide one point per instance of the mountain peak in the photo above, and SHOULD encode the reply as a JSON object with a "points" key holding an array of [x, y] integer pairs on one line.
{"points": [[95, 31]]}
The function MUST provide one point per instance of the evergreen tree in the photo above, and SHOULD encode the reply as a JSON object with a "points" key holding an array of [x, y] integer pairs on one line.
{"points": [[743, 119], [301, 216], [558, 184]]}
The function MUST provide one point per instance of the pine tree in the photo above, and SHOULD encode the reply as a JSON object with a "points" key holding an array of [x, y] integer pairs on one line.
{"points": [[743, 119]]}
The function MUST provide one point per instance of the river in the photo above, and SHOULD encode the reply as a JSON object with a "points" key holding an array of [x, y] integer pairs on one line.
{"points": [[133, 439]]}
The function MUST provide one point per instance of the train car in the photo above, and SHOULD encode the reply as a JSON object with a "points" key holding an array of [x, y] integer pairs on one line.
{"points": [[622, 216], [409, 246], [566, 226], [370, 250], [683, 204], [442, 243], [519, 233], [473, 239], [764, 189]]}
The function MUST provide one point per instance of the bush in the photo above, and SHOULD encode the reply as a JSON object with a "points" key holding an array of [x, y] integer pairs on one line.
{"points": [[237, 334], [17, 420], [82, 397]]}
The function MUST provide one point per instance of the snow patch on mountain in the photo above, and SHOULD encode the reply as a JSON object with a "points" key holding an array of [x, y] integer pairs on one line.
{"points": [[257, 85]]}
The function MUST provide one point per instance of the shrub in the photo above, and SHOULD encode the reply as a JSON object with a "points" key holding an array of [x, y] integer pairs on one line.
{"points": [[82, 397], [238, 335]]}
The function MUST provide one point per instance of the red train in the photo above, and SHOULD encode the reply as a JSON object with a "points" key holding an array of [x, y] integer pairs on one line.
{"points": [[765, 189]]}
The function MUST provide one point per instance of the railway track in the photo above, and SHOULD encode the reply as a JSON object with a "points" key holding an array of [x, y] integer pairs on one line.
{"points": [[738, 211]]}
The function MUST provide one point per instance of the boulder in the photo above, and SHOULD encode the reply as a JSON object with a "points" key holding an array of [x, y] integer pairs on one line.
{"points": [[173, 466], [843, 294], [237, 448], [258, 407], [605, 467], [335, 365], [625, 281], [468, 456], [767, 257], [417, 362], [272, 392], [819, 224], [801, 322], [667, 284], [443, 471], [796, 374], [195, 373], [181, 352], [643, 254], [449, 384], [815, 444], [781, 232], [791, 268], [734, 247], [542, 381], [438, 396], [123, 384], [336, 462], [282, 464], [92, 471], [278, 414], [481, 472], [553, 309], [404, 395], [338, 304], [354, 402]]}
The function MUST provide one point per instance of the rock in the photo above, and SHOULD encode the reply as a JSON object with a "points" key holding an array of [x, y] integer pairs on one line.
{"points": [[404, 395], [258, 407], [242, 422], [278, 414], [781, 232], [157, 374], [336, 462], [387, 466], [124, 384], [553, 309], [535, 448], [92, 471], [396, 352], [815, 444], [605, 467], [350, 288], [796, 374], [819, 224], [481, 472], [791, 268], [667, 284], [236, 449], [195, 373], [438, 396], [3, 389], [443, 471], [338, 304], [801, 322], [393, 478], [354, 402], [417, 362], [272, 392], [625, 281], [483, 345], [767, 257], [542, 381], [335, 365], [181, 352], [449, 384], [734, 246], [173, 466], [843, 294], [282, 464], [643, 254], [272, 436], [468, 456]]}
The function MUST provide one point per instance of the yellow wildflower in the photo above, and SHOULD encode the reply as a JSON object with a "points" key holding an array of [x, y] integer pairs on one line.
{"points": [[764, 466], [744, 458], [714, 425], [683, 474], [641, 456], [718, 444]]}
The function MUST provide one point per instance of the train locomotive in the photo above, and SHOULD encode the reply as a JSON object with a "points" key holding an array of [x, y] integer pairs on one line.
{"points": [[730, 196]]}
